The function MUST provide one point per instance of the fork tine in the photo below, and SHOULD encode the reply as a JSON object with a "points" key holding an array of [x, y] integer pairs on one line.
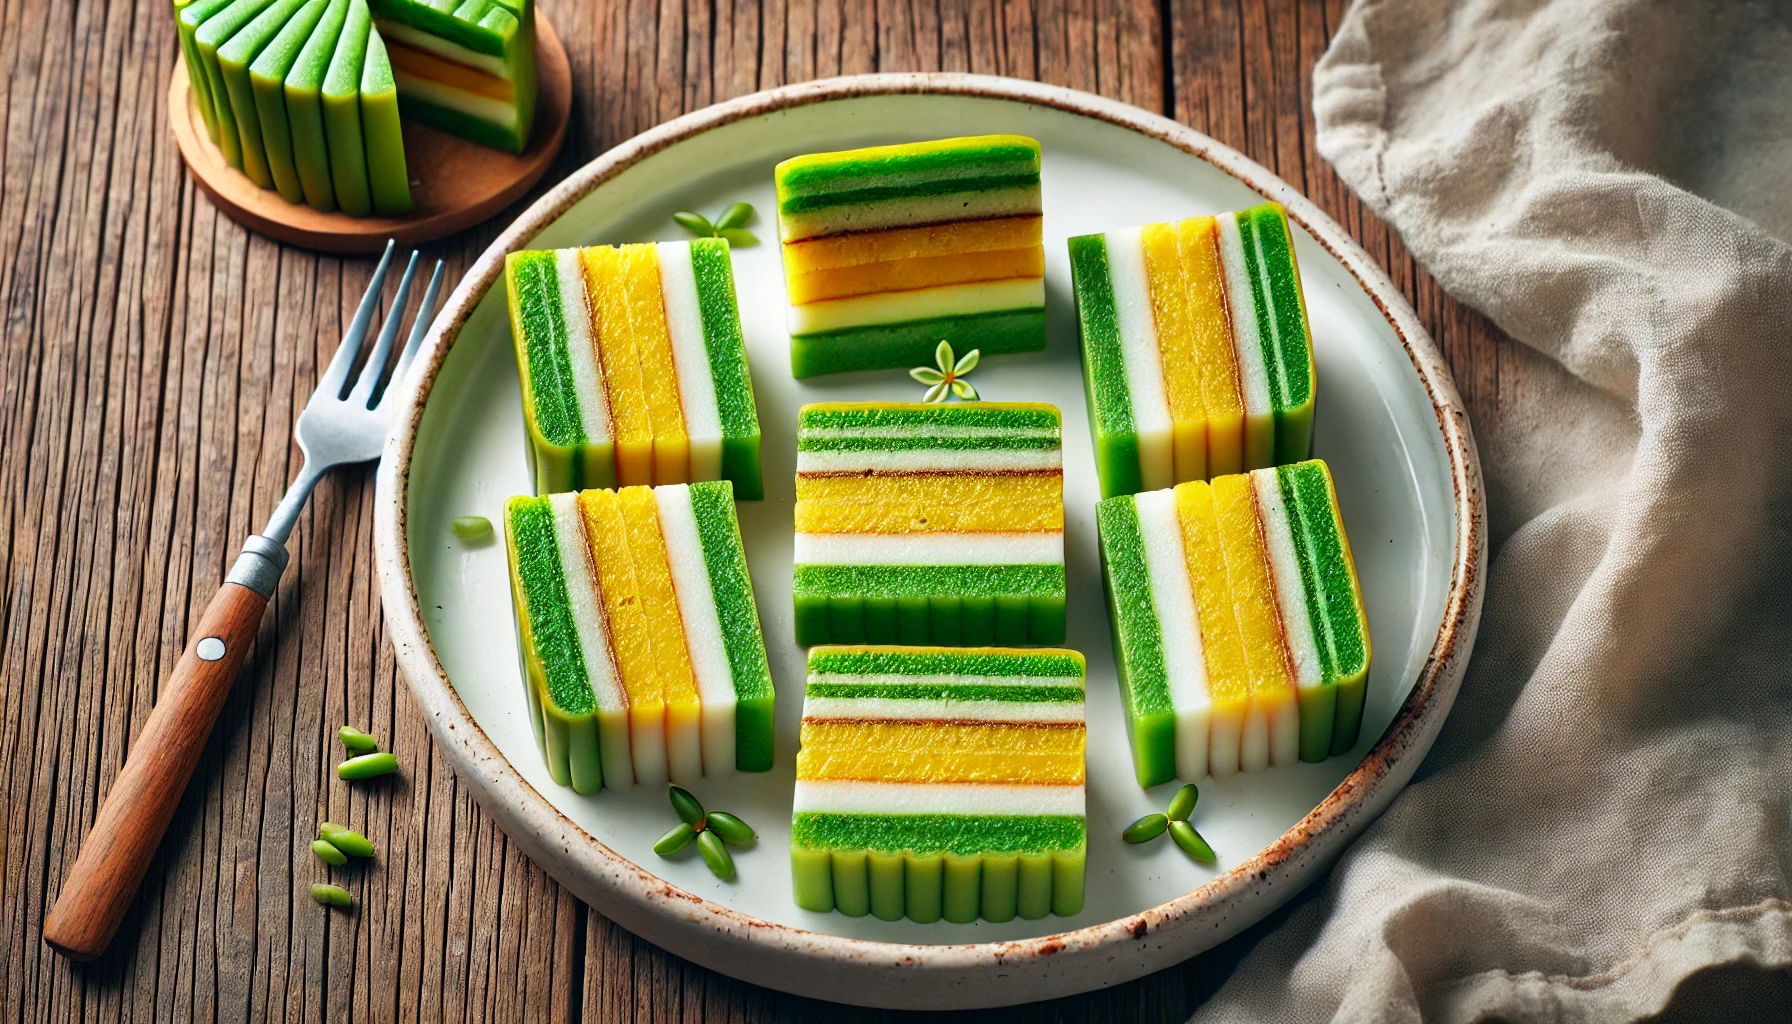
{"points": [[374, 369], [426, 311], [331, 383]]}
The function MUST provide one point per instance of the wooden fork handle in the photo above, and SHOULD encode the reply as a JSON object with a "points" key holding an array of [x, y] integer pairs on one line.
{"points": [[143, 798]]}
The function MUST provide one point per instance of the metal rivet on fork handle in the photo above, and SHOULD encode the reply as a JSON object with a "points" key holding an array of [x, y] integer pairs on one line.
{"points": [[210, 649]]}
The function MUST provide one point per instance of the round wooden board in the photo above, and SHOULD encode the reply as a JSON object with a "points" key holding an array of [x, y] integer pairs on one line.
{"points": [[455, 183]]}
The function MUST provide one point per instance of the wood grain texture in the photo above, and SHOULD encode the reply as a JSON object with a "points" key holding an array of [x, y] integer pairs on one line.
{"points": [[153, 358]]}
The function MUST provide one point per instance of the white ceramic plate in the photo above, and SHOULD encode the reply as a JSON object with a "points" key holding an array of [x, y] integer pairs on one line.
{"points": [[1389, 422]]}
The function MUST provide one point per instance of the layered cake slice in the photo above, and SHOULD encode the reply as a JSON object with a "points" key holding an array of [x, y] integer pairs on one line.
{"points": [[1196, 351], [633, 366], [937, 524], [348, 72], [890, 250], [1238, 622], [640, 642], [936, 782]]}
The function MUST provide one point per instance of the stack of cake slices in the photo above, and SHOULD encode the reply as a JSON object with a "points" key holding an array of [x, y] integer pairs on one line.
{"points": [[633, 366], [935, 782], [935, 524], [640, 641], [1196, 350], [306, 96], [1238, 622], [890, 250]]}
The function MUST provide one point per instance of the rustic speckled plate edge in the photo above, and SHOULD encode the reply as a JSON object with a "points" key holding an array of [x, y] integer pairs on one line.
{"points": [[901, 975]]}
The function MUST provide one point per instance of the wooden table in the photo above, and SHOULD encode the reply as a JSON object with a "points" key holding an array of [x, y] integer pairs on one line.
{"points": [[149, 387]]}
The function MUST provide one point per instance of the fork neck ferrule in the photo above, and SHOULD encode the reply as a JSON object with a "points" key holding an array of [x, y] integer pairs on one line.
{"points": [[260, 565]]}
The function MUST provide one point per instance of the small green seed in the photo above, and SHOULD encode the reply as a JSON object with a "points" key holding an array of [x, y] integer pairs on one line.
{"points": [[715, 854], [731, 829], [329, 828], [1191, 842], [675, 839], [352, 843], [1145, 829], [472, 527], [367, 766], [689, 808], [332, 896], [328, 853], [357, 741], [1183, 803]]}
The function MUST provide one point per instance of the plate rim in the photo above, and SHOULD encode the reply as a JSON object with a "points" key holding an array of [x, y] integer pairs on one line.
{"points": [[764, 952]]}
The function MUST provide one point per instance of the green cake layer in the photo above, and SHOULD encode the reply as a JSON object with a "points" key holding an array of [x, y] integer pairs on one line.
{"points": [[972, 605], [877, 346]]}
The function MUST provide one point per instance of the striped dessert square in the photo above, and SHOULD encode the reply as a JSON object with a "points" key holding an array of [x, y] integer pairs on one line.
{"points": [[890, 250], [941, 782], [640, 641], [1238, 622], [939, 524], [1196, 351], [633, 366]]}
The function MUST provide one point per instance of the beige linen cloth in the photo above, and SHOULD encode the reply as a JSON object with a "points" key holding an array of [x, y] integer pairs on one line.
{"points": [[1604, 828]]}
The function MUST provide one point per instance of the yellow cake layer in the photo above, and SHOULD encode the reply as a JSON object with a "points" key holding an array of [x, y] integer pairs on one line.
{"points": [[1176, 345], [919, 272], [851, 250], [885, 751], [1253, 592], [631, 637], [1222, 644], [930, 503], [411, 61], [606, 286], [659, 608], [653, 343], [1210, 340]]}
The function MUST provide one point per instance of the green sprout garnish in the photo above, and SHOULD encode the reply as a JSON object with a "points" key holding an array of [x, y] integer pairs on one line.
{"points": [[712, 832], [731, 225], [948, 381], [1176, 824]]}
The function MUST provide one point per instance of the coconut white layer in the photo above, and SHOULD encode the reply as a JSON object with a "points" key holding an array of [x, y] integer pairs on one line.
{"points": [[594, 640], [902, 213], [702, 626], [918, 304], [690, 358], [942, 679], [502, 113], [931, 460], [398, 31], [830, 796], [587, 376], [1247, 343], [945, 709], [1044, 547], [1139, 355], [1179, 626], [1284, 571]]}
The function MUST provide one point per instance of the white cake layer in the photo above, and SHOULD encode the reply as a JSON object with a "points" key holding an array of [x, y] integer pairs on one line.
{"points": [[902, 213], [690, 359], [1042, 547], [1179, 626], [581, 348], [1139, 356], [830, 796], [1284, 570], [931, 460], [918, 304], [594, 640], [820, 709], [942, 679], [702, 626], [398, 31], [502, 113], [1247, 342]]}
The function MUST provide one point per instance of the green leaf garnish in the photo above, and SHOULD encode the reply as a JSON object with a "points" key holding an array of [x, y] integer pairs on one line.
{"points": [[730, 225], [740, 238], [947, 381], [695, 223], [736, 216]]}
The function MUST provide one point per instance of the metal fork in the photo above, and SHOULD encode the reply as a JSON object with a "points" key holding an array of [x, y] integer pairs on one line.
{"points": [[341, 424]]}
